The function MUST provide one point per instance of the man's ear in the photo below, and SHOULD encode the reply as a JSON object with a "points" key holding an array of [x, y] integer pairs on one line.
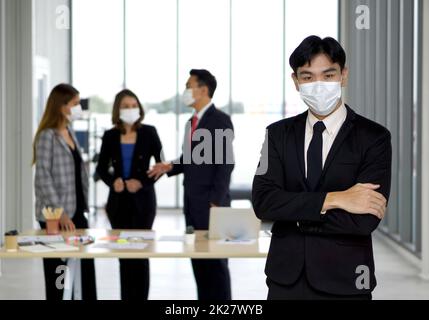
{"points": [[205, 91], [295, 81], [345, 77]]}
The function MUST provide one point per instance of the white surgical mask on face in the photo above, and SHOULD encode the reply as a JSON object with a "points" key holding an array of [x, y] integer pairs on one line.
{"points": [[321, 96], [129, 116], [188, 98], [75, 113]]}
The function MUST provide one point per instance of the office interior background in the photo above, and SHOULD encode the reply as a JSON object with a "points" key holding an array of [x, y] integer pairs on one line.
{"points": [[148, 46]]}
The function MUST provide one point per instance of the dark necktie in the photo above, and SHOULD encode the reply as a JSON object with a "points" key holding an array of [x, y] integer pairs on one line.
{"points": [[314, 155]]}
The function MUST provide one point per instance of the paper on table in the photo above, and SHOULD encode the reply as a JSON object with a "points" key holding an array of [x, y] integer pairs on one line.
{"points": [[36, 248], [145, 235], [43, 238], [63, 247], [172, 238], [121, 246], [236, 241], [52, 247]]}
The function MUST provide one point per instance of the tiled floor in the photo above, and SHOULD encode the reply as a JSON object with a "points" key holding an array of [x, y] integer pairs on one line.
{"points": [[173, 279]]}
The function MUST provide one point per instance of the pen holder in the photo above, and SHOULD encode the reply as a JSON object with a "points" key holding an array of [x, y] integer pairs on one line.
{"points": [[11, 243], [52, 226]]}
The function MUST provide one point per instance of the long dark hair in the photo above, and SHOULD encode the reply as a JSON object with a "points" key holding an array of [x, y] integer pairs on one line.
{"points": [[52, 117]]}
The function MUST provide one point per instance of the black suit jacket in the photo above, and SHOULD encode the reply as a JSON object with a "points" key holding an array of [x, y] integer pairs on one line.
{"points": [[110, 166], [208, 178], [331, 247]]}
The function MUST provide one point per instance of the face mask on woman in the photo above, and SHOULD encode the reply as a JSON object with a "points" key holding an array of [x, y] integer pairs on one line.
{"points": [[75, 113], [129, 116]]}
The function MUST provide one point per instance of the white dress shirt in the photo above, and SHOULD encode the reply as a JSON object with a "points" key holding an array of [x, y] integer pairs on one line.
{"points": [[200, 113], [332, 123]]}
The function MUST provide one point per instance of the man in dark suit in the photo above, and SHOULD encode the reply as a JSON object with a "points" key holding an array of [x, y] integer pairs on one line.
{"points": [[207, 164], [324, 179]]}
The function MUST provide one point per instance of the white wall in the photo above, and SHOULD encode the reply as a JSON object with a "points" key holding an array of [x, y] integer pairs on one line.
{"points": [[52, 42], [27, 29], [2, 119], [16, 110]]}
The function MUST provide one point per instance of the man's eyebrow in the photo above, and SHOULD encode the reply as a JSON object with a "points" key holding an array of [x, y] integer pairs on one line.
{"points": [[305, 72], [330, 70]]}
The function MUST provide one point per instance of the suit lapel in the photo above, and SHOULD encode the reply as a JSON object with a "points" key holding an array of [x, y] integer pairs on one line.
{"points": [[206, 115], [76, 143], [117, 149], [341, 136], [299, 132], [135, 152], [63, 142]]}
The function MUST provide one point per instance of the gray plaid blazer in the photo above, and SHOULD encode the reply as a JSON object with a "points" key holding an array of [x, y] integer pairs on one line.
{"points": [[55, 176]]}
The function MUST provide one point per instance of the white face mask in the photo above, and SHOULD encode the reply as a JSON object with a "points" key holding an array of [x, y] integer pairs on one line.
{"points": [[129, 116], [75, 113], [321, 96], [188, 98]]}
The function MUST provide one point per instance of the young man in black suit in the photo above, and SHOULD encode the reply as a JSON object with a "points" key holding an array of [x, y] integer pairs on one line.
{"points": [[207, 164], [324, 179]]}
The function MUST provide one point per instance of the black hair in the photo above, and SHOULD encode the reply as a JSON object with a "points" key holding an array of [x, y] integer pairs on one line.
{"points": [[314, 45], [205, 78]]}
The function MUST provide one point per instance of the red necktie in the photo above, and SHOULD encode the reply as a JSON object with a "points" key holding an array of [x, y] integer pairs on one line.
{"points": [[193, 125]]}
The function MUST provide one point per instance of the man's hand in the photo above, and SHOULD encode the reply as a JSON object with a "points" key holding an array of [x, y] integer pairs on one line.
{"points": [[66, 223], [133, 185], [159, 169], [119, 185], [359, 199]]}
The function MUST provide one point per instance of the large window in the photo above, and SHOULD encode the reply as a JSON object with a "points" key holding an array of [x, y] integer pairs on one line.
{"points": [[98, 42], [150, 46], [257, 79], [151, 58]]}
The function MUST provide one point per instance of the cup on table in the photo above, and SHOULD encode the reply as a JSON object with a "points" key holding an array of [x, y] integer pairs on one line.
{"points": [[189, 235], [190, 238], [52, 226], [11, 241]]}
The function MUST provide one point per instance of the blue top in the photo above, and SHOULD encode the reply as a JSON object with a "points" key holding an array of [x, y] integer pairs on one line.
{"points": [[127, 158]]}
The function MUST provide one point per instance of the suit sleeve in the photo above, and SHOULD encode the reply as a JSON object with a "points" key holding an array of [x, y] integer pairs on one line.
{"points": [[376, 169], [156, 152], [270, 198], [177, 167], [223, 170], [43, 178], [104, 161]]}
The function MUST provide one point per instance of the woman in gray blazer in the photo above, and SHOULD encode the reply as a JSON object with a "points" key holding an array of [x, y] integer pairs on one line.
{"points": [[61, 180]]}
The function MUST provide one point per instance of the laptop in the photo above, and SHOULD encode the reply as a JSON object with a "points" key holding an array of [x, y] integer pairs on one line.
{"points": [[237, 224]]}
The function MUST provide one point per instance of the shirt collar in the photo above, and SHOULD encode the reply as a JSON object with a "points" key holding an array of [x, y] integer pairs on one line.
{"points": [[200, 113], [333, 122]]}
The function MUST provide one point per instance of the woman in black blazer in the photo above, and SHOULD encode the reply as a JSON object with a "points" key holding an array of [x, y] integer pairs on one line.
{"points": [[125, 156]]}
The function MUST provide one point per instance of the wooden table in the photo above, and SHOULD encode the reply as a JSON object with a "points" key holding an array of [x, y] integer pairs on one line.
{"points": [[202, 248], [158, 248]]}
